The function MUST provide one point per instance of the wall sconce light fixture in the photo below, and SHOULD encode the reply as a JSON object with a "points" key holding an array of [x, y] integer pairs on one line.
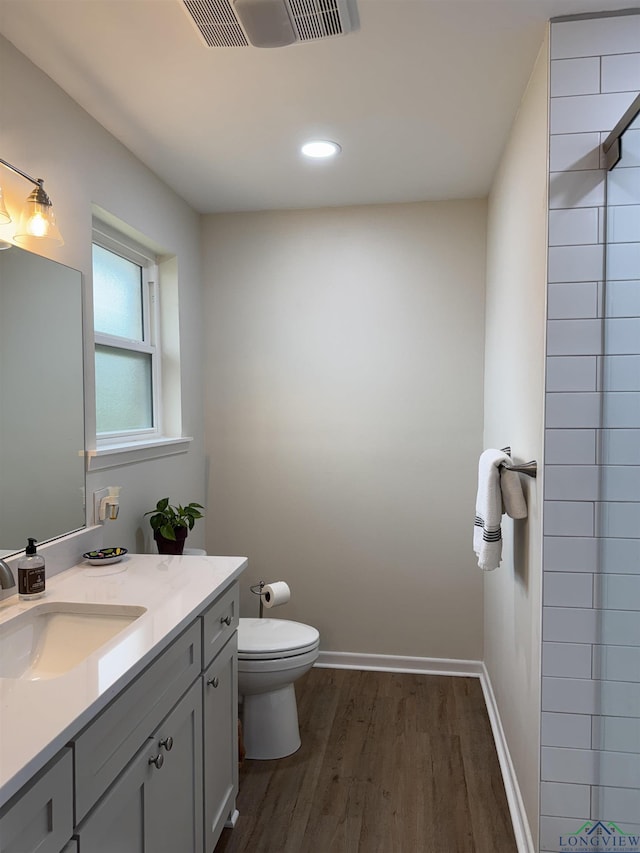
{"points": [[37, 218]]}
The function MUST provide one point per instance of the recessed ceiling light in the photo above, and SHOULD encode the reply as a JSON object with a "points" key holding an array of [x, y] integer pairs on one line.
{"points": [[319, 148]]}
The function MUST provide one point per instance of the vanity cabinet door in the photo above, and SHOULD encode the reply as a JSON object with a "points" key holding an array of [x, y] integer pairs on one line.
{"points": [[220, 741], [40, 820], [155, 806], [117, 822], [175, 789]]}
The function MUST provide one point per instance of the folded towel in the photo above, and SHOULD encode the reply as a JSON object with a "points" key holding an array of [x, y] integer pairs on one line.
{"points": [[499, 490], [513, 502]]}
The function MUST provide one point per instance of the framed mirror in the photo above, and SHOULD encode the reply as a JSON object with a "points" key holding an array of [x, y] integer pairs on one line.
{"points": [[42, 479]]}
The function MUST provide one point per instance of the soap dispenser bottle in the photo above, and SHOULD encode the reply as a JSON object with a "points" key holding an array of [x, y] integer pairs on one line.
{"points": [[31, 580]]}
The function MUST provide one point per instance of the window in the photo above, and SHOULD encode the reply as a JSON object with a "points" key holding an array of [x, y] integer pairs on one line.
{"points": [[126, 326], [137, 347]]}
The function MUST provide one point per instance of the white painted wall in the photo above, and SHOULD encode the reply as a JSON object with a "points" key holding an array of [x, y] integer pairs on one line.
{"points": [[344, 358], [513, 415], [47, 134]]}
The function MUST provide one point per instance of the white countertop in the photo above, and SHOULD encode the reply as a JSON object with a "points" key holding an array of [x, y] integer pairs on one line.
{"points": [[37, 718]]}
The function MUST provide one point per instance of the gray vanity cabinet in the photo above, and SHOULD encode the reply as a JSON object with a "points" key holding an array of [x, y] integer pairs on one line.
{"points": [[156, 805], [220, 685], [177, 792], [156, 771], [105, 747]]}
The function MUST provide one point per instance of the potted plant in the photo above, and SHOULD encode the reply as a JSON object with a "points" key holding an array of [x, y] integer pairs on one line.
{"points": [[172, 523]]}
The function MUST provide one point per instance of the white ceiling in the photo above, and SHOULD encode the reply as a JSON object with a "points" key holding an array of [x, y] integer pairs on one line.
{"points": [[421, 96]]}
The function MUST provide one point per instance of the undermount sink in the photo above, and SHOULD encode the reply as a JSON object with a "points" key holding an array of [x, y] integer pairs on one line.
{"points": [[51, 638]]}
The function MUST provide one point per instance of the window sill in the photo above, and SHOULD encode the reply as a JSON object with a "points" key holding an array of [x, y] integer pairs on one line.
{"points": [[128, 453]]}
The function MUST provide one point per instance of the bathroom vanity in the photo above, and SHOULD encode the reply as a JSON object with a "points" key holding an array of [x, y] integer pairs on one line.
{"points": [[135, 747]]}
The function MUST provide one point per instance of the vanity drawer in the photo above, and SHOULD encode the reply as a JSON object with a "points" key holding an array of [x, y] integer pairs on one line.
{"points": [[42, 818], [103, 749], [219, 622]]}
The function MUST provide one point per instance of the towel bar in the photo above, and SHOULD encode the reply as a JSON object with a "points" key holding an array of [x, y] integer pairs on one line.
{"points": [[528, 468]]}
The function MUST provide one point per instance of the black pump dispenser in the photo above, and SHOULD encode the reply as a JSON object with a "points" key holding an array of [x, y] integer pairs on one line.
{"points": [[31, 575]]}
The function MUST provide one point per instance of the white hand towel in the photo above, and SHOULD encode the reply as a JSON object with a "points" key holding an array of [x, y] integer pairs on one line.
{"points": [[487, 535], [513, 501]]}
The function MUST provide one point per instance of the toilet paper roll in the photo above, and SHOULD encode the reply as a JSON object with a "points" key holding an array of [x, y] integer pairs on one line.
{"points": [[274, 594]]}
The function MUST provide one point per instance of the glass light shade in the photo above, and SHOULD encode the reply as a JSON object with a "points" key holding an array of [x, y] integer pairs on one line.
{"points": [[4, 213], [38, 220]]}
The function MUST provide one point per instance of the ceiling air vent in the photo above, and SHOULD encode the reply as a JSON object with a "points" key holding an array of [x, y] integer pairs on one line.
{"points": [[270, 23], [217, 23]]}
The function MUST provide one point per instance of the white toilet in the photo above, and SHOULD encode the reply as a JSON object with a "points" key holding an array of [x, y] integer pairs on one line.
{"points": [[272, 654]]}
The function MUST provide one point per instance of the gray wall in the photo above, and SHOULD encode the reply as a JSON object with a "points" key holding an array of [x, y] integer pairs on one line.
{"points": [[344, 417], [591, 545], [83, 165]]}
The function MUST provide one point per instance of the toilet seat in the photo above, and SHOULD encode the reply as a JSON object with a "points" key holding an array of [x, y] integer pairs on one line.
{"points": [[269, 639]]}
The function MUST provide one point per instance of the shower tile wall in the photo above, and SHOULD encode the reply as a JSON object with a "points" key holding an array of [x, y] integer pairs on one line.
{"points": [[590, 764]]}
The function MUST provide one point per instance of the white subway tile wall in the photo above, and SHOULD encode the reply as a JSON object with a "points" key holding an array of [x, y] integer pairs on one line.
{"points": [[570, 446], [616, 663], [577, 299], [568, 730], [615, 734], [569, 589], [619, 373], [575, 151], [566, 659], [579, 188], [564, 800], [572, 373], [620, 446], [590, 763], [621, 73], [622, 804], [569, 554]]}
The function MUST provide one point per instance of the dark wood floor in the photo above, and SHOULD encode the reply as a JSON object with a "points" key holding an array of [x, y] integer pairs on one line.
{"points": [[389, 763]]}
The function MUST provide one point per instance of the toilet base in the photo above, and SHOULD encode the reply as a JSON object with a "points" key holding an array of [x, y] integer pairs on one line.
{"points": [[270, 724]]}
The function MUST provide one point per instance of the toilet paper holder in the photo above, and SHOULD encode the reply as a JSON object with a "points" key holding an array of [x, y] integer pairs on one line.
{"points": [[256, 589], [271, 594]]}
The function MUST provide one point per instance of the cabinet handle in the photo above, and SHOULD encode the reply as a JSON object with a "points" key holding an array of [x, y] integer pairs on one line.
{"points": [[214, 682], [167, 743], [158, 760], [226, 620]]}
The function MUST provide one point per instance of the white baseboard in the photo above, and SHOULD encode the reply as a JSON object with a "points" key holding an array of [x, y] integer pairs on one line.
{"points": [[398, 663], [521, 829], [446, 666]]}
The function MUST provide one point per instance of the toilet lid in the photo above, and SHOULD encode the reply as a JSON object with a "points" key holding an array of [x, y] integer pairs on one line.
{"points": [[274, 638]]}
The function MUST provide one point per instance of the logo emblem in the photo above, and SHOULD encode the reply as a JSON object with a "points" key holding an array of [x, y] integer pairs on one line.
{"points": [[600, 836]]}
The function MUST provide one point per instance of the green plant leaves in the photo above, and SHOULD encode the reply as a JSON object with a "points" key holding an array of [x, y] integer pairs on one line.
{"points": [[166, 518]]}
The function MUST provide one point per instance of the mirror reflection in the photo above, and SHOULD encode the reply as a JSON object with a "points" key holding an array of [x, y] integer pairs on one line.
{"points": [[41, 400]]}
